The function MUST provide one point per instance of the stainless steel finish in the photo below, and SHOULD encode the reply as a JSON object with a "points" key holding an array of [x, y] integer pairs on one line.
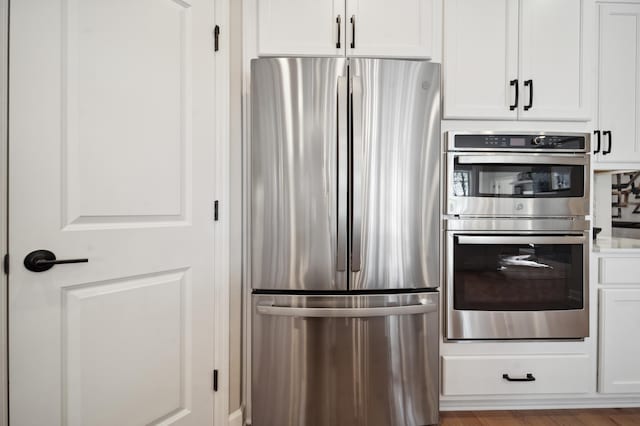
{"points": [[509, 224], [524, 239], [557, 324], [451, 138], [568, 159], [343, 171], [357, 170], [286, 311], [353, 371], [522, 207], [400, 172], [294, 174]]}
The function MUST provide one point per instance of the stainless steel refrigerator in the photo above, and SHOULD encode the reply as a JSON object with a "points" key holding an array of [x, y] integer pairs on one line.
{"points": [[344, 242]]}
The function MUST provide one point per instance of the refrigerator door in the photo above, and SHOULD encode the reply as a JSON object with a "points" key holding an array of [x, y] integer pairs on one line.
{"points": [[298, 143], [396, 174], [362, 360]]}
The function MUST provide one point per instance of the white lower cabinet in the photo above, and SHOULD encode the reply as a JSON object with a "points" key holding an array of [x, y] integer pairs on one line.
{"points": [[619, 366], [515, 374]]}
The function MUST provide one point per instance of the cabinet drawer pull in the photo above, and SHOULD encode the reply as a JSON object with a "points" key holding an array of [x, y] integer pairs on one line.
{"points": [[607, 133], [353, 31], [529, 83], [529, 378], [597, 133], [339, 23], [515, 103]]}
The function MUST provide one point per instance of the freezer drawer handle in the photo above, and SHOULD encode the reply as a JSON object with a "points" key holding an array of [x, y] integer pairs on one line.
{"points": [[286, 311], [529, 378]]}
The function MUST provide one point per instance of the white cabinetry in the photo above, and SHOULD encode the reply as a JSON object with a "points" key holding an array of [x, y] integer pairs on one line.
{"points": [[619, 366], [372, 28], [618, 84], [506, 59]]}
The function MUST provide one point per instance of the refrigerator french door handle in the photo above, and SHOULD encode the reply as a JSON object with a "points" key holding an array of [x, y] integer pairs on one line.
{"points": [[385, 311], [343, 171], [357, 146]]}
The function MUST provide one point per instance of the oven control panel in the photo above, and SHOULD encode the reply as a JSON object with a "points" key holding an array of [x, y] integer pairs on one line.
{"points": [[515, 142]]}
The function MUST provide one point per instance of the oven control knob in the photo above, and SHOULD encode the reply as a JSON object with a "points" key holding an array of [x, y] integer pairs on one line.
{"points": [[519, 206], [539, 140]]}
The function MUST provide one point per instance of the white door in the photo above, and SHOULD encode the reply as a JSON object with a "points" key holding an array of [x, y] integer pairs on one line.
{"points": [[619, 369], [552, 60], [301, 27], [480, 60], [112, 159], [618, 85], [382, 28]]}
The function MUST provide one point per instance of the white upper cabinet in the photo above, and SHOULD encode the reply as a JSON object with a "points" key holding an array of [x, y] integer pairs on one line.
{"points": [[551, 60], [507, 59], [301, 27], [372, 28], [618, 85], [383, 28], [481, 59]]}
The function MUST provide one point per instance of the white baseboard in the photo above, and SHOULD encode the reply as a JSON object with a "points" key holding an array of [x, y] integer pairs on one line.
{"points": [[235, 419], [540, 404]]}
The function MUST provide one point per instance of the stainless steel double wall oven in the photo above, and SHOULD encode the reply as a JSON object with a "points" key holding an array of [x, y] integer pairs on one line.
{"points": [[517, 242]]}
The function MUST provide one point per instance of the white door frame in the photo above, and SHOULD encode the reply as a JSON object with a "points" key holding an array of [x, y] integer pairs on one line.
{"points": [[4, 104], [221, 262], [221, 282]]}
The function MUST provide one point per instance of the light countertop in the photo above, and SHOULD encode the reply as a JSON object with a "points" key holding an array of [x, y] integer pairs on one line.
{"points": [[616, 245]]}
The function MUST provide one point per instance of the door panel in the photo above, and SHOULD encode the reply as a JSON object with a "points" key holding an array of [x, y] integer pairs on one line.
{"points": [[400, 29], [301, 27], [349, 370], [396, 174], [480, 59], [552, 55], [112, 159], [619, 67], [294, 167]]}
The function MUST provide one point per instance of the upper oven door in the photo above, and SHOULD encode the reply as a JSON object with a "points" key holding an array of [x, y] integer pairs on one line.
{"points": [[517, 184]]}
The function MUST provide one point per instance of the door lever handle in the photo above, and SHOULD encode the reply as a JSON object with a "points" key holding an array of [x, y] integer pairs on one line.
{"points": [[43, 260]]}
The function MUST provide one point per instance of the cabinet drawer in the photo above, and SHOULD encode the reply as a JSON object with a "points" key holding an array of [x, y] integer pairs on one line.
{"points": [[619, 270], [483, 375]]}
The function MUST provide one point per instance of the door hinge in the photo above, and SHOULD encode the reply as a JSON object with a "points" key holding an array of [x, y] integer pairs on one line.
{"points": [[5, 264], [215, 380], [216, 38], [215, 210]]}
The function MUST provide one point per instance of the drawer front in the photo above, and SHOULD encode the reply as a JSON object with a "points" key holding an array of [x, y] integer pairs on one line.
{"points": [[547, 374], [619, 270]]}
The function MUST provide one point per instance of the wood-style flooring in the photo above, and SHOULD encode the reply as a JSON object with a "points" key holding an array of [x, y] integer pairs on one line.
{"points": [[591, 417]]}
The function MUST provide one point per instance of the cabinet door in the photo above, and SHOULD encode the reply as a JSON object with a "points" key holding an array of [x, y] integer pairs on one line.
{"points": [[618, 74], [383, 28], [480, 59], [301, 27], [552, 52], [619, 370]]}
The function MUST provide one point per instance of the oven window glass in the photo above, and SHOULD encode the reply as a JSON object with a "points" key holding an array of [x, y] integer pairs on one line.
{"points": [[518, 180], [517, 277]]}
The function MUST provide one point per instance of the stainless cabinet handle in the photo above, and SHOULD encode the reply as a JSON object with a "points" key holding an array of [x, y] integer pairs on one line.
{"points": [[339, 23], [287, 311], [343, 170], [353, 31]]}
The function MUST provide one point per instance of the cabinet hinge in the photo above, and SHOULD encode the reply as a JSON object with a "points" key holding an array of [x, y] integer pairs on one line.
{"points": [[215, 380], [215, 210], [5, 264], [216, 38]]}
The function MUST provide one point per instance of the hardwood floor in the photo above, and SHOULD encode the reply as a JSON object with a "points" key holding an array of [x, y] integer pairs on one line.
{"points": [[594, 417]]}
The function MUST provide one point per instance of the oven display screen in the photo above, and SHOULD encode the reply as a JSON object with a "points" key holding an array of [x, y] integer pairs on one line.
{"points": [[517, 142]]}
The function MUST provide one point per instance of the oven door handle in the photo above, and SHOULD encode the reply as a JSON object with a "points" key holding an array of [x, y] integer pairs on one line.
{"points": [[580, 160], [486, 239]]}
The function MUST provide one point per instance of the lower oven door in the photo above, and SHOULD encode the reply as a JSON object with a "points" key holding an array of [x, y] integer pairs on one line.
{"points": [[526, 286], [362, 360]]}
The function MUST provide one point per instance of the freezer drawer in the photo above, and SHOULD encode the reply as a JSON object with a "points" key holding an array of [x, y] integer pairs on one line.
{"points": [[345, 360]]}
